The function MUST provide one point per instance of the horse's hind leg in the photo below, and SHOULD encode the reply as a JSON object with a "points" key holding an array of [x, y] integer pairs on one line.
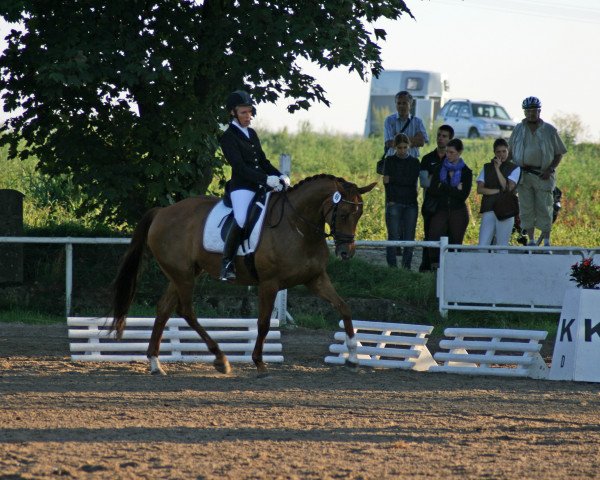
{"points": [[186, 310], [266, 297], [165, 307], [322, 287]]}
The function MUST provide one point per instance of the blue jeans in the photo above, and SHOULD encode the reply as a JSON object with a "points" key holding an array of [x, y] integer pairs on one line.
{"points": [[401, 223]]}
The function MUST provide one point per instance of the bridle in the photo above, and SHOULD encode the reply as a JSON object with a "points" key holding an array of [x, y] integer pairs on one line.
{"points": [[339, 238], [336, 199]]}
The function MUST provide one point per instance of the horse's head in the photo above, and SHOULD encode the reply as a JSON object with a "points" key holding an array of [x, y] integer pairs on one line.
{"points": [[343, 210]]}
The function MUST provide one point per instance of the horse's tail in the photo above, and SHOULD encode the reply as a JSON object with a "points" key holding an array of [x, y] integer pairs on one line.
{"points": [[125, 283]]}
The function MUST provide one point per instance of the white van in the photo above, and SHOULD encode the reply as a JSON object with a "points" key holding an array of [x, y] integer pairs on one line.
{"points": [[429, 89]]}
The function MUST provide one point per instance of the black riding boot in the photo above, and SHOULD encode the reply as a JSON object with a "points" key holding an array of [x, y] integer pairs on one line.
{"points": [[229, 250]]}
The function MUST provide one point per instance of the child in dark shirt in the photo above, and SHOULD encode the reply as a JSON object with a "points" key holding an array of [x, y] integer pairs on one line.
{"points": [[400, 175]]}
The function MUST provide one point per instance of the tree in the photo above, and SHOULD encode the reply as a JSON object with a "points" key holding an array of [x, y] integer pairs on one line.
{"points": [[127, 97], [570, 127]]}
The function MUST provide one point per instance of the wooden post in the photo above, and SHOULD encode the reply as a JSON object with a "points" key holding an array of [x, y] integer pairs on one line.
{"points": [[11, 225]]}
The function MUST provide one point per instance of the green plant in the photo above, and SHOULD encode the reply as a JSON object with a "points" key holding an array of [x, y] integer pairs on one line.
{"points": [[586, 274]]}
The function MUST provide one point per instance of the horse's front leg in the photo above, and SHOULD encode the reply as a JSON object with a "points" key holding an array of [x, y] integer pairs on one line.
{"points": [[322, 287], [266, 298]]}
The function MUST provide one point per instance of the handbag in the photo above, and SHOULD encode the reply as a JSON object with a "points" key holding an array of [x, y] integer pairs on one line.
{"points": [[430, 205], [381, 166], [506, 205]]}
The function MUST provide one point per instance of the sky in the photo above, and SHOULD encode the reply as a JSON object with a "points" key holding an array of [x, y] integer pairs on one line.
{"points": [[490, 50]]}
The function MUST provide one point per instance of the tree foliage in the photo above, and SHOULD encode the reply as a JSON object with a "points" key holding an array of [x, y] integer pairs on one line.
{"points": [[570, 127], [126, 97]]}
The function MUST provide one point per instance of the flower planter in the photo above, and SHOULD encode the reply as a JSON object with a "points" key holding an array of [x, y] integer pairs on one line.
{"points": [[577, 348]]}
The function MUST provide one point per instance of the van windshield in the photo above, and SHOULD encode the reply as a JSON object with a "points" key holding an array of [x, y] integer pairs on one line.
{"points": [[489, 111]]}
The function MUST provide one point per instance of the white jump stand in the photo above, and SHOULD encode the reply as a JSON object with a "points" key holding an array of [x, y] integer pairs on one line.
{"points": [[577, 348]]}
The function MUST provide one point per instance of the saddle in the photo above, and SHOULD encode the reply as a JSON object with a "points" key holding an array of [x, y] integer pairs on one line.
{"points": [[220, 219]]}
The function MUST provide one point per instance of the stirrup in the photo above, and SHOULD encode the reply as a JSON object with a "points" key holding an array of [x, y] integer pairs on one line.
{"points": [[227, 271]]}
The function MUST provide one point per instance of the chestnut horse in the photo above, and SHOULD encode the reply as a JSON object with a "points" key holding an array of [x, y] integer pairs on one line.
{"points": [[292, 251]]}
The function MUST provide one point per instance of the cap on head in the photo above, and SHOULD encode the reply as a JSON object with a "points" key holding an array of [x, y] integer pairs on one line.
{"points": [[237, 99], [531, 102]]}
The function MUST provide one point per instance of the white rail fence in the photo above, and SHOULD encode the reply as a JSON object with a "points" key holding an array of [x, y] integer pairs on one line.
{"points": [[470, 277], [486, 351], [388, 345], [91, 341], [470, 351], [522, 279]]}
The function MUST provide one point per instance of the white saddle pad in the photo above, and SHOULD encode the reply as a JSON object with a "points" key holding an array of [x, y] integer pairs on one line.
{"points": [[212, 230]]}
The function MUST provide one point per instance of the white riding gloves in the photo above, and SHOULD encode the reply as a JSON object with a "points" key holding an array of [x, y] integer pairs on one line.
{"points": [[285, 180], [274, 183]]}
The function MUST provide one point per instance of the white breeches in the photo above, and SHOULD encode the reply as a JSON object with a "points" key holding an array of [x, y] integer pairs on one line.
{"points": [[240, 199], [492, 227]]}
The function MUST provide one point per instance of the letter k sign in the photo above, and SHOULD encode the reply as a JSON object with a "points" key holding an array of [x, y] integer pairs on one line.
{"points": [[566, 328], [589, 331], [576, 353]]}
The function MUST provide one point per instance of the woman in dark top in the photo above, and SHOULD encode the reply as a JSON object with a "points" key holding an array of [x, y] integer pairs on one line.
{"points": [[450, 186], [497, 176], [250, 171], [400, 175]]}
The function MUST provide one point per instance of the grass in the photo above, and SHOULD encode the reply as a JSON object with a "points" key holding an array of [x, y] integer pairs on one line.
{"points": [[315, 322], [510, 320], [19, 315], [362, 279]]}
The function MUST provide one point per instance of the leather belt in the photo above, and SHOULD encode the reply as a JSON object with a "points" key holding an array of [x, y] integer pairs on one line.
{"points": [[531, 170]]}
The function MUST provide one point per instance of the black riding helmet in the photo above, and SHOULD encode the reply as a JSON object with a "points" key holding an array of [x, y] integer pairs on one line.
{"points": [[531, 102], [239, 98]]}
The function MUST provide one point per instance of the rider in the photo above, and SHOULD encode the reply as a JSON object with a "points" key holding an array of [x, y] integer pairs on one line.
{"points": [[250, 171]]}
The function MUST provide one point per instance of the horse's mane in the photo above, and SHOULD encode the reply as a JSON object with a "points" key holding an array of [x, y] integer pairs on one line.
{"points": [[344, 183]]}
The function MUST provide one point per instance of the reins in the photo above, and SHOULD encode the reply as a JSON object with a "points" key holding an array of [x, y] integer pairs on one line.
{"points": [[286, 200], [338, 238]]}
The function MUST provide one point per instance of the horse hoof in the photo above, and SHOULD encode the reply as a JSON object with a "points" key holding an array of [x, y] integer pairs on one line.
{"points": [[155, 367], [222, 365], [353, 367], [262, 370]]}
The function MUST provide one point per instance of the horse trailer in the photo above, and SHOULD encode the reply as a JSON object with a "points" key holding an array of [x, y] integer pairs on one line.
{"points": [[429, 89]]}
